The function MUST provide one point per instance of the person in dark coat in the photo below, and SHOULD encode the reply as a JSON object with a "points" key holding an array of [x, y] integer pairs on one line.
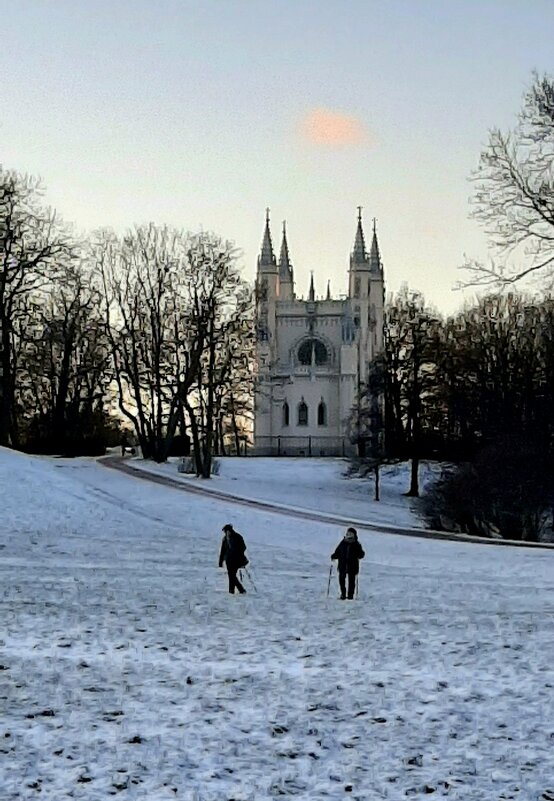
{"points": [[232, 553], [348, 554]]}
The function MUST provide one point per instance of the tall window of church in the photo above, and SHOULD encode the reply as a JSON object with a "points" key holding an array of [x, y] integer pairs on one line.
{"points": [[302, 414], [286, 414], [311, 348], [322, 414], [357, 287]]}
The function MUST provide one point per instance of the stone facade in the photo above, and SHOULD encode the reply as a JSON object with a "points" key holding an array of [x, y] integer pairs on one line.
{"points": [[313, 355]]}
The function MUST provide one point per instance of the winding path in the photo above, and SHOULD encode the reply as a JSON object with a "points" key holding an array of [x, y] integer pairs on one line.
{"points": [[118, 463]]}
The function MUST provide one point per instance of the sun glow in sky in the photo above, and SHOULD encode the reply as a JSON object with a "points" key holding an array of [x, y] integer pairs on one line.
{"points": [[201, 114]]}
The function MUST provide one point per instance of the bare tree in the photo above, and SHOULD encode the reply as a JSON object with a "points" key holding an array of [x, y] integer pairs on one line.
{"points": [[64, 372], [367, 423], [223, 305], [155, 339], [411, 349], [493, 404], [32, 245], [177, 314], [489, 369], [514, 193]]}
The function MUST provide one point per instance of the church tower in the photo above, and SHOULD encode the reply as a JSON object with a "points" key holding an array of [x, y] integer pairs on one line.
{"points": [[376, 296], [267, 291], [267, 282], [366, 293]]}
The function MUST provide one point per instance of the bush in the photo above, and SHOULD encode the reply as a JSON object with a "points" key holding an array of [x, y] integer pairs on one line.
{"points": [[506, 492], [187, 465], [89, 435], [180, 446]]}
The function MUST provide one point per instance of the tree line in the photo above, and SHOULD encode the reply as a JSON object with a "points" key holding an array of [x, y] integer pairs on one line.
{"points": [[474, 390], [477, 388], [155, 327]]}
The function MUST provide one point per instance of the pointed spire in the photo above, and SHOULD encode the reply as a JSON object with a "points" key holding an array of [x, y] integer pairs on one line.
{"points": [[328, 290], [267, 257], [285, 267], [375, 256], [359, 254], [311, 295]]}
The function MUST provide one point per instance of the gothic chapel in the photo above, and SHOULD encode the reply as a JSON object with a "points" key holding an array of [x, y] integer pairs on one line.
{"points": [[313, 355]]}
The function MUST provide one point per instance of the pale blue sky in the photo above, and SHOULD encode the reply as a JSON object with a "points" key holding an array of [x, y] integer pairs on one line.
{"points": [[191, 113]]}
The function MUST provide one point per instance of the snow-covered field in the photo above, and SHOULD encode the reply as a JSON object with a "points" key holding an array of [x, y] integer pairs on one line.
{"points": [[127, 670], [317, 484]]}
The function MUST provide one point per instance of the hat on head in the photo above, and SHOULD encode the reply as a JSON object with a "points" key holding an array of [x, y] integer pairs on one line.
{"points": [[351, 534], [227, 527]]}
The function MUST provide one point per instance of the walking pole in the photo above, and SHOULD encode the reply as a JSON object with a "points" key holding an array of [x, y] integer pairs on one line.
{"points": [[329, 581], [250, 579], [357, 584]]}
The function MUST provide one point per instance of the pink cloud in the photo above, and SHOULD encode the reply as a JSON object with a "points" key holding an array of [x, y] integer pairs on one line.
{"points": [[324, 127]]}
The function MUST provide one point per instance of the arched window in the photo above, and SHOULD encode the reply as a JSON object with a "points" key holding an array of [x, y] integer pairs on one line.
{"points": [[286, 414], [312, 347], [322, 414], [302, 413]]}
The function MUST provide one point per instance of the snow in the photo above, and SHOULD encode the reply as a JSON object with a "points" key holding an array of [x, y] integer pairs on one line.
{"points": [[314, 484], [129, 671]]}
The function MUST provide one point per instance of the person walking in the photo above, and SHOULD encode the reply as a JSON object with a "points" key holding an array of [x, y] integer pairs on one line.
{"points": [[348, 554], [233, 554]]}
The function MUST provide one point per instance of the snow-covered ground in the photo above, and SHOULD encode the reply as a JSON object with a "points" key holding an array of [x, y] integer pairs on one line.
{"points": [[315, 484], [127, 670]]}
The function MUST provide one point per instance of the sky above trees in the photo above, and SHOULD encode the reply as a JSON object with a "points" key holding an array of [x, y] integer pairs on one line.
{"points": [[202, 114]]}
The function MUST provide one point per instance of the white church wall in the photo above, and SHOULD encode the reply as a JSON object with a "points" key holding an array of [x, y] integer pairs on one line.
{"points": [[311, 393]]}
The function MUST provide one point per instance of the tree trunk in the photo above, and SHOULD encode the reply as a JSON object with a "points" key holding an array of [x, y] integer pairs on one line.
{"points": [[8, 431], [60, 403], [414, 478], [415, 419], [174, 418], [196, 445], [208, 433], [5, 400], [221, 439], [235, 426]]}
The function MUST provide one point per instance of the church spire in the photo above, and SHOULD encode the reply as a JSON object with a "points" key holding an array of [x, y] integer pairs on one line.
{"points": [[267, 257], [311, 295], [359, 254], [285, 267], [375, 256]]}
